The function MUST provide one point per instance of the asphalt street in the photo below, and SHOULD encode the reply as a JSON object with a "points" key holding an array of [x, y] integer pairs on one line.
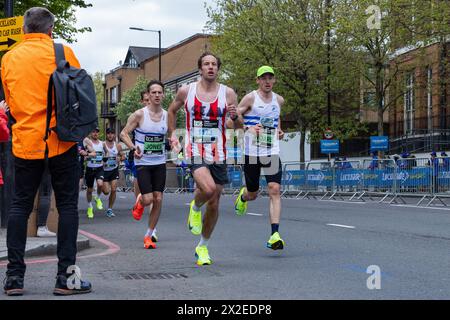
{"points": [[329, 248]]}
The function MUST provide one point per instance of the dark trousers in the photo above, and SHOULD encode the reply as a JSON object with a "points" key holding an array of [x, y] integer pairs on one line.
{"points": [[64, 172], [45, 194]]}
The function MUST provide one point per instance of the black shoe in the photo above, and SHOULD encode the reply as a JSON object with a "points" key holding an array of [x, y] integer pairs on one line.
{"points": [[13, 286], [61, 288]]}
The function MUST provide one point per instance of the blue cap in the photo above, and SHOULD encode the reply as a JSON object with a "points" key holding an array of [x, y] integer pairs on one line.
{"points": [[433, 153]]}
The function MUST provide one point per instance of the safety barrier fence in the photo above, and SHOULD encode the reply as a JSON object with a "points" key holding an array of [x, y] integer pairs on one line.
{"points": [[383, 180]]}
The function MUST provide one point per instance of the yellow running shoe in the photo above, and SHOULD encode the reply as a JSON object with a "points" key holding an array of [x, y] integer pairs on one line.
{"points": [[99, 203], [275, 242], [240, 207], [195, 220], [90, 213], [202, 255]]}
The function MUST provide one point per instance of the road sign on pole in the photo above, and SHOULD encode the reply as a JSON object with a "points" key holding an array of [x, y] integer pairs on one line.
{"points": [[11, 32]]}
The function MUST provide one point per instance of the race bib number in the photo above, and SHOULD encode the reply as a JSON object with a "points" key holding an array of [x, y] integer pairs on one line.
{"points": [[154, 145], [267, 136], [111, 162], [205, 131], [98, 159]]}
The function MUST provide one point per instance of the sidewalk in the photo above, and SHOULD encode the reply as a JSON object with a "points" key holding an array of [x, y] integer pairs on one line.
{"points": [[39, 246]]}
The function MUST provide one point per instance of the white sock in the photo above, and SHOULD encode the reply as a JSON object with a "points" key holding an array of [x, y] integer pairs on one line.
{"points": [[90, 205], [203, 242], [154, 232], [196, 208], [149, 232]]}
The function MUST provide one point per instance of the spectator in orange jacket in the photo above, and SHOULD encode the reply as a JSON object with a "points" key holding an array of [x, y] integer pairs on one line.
{"points": [[4, 131], [25, 74]]}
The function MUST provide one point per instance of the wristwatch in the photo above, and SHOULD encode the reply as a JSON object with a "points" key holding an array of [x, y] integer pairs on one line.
{"points": [[235, 117]]}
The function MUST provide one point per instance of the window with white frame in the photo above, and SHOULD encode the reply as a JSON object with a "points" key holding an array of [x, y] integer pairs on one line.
{"points": [[409, 103], [113, 95], [132, 63]]}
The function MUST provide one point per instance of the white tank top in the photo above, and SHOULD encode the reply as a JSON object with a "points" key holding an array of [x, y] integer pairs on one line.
{"points": [[205, 124], [268, 115], [97, 161], [150, 137], [111, 159]]}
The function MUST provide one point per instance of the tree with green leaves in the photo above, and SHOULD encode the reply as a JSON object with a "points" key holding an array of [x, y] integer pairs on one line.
{"points": [[377, 29], [98, 79], [288, 35], [64, 11]]}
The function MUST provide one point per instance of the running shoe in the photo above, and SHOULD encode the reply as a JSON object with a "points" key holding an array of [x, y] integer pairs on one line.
{"points": [[195, 220], [154, 236], [110, 213], [138, 209], [275, 242], [202, 255], [90, 213], [99, 203], [148, 243], [240, 207]]}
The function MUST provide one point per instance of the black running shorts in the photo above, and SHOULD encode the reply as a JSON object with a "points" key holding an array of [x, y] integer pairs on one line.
{"points": [[111, 175], [151, 178], [271, 165], [93, 174], [218, 171]]}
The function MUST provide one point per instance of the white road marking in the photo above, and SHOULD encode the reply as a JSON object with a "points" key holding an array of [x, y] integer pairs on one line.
{"points": [[255, 214], [340, 226], [352, 202], [416, 207]]}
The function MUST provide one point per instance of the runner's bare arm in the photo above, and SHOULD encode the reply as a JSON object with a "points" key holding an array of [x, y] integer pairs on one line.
{"points": [[232, 103], [245, 107], [174, 107], [132, 124], [121, 156], [88, 145]]}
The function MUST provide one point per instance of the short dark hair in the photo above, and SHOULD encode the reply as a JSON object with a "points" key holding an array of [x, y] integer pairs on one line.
{"points": [[205, 54], [153, 82], [38, 20], [143, 93]]}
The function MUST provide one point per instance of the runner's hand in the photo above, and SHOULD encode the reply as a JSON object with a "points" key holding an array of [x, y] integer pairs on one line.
{"points": [[138, 153], [4, 106], [232, 111], [256, 130], [280, 134], [175, 144]]}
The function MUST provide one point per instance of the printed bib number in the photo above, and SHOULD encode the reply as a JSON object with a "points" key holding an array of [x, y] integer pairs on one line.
{"points": [[98, 159], [205, 131], [111, 162], [154, 145], [267, 136]]}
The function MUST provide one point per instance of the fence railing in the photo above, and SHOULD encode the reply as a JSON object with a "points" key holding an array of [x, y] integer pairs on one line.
{"points": [[384, 179]]}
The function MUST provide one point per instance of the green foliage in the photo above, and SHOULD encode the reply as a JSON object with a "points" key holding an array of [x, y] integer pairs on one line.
{"points": [[64, 11], [98, 79], [288, 35]]}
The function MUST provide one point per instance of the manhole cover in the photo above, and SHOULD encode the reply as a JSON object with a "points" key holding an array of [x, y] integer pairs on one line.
{"points": [[153, 276]]}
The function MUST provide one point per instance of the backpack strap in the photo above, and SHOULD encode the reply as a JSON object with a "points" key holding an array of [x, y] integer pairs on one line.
{"points": [[61, 62]]}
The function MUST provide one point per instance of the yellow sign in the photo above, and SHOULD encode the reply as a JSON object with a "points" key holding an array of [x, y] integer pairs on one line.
{"points": [[11, 32]]}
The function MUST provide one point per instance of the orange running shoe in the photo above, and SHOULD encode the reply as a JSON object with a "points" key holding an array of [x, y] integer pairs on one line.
{"points": [[148, 243], [138, 209]]}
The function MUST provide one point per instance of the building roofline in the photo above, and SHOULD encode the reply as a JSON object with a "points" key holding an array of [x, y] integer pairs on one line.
{"points": [[179, 44], [419, 45]]}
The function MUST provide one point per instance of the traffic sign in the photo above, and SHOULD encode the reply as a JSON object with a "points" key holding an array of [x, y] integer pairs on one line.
{"points": [[11, 32], [329, 146]]}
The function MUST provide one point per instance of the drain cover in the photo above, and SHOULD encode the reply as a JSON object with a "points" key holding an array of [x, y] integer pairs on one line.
{"points": [[153, 276]]}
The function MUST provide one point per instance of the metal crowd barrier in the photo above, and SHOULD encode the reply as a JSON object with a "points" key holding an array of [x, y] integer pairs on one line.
{"points": [[386, 179]]}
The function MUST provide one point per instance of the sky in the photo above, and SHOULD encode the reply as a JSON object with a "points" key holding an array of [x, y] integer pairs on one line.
{"points": [[107, 44]]}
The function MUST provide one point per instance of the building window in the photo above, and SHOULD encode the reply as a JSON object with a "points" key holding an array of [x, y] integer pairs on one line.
{"points": [[409, 104], [113, 95], [430, 97], [133, 62]]}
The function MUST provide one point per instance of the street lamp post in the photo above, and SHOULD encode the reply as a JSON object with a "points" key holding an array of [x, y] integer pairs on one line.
{"points": [[159, 35]]}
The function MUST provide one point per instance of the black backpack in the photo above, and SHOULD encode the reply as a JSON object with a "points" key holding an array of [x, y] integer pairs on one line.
{"points": [[75, 101]]}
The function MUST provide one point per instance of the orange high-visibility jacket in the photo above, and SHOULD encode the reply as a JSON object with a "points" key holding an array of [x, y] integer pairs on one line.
{"points": [[26, 71]]}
